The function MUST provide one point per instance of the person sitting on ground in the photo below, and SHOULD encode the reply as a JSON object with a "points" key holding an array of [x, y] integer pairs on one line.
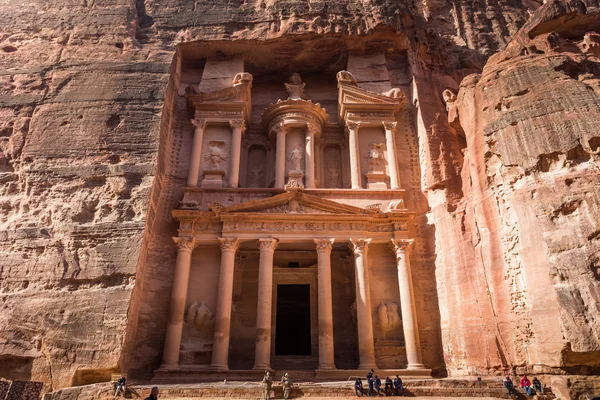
{"points": [[121, 386], [286, 382], [389, 385], [358, 387], [398, 387], [537, 385], [370, 382], [526, 384], [509, 385], [377, 385], [153, 394]]}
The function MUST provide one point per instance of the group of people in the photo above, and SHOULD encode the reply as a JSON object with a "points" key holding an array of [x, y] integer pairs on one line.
{"points": [[286, 383], [391, 388], [530, 388]]}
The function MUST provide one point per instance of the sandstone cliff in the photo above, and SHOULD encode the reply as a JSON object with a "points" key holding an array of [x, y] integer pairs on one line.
{"points": [[89, 167]]}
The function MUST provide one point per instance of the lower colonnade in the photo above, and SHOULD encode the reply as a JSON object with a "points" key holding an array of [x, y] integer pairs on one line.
{"points": [[263, 347]]}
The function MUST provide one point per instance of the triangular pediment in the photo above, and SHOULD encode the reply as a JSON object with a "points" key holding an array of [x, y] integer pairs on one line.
{"points": [[361, 102], [295, 203], [354, 95]]}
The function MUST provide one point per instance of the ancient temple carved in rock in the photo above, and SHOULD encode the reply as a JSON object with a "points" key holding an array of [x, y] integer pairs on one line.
{"points": [[287, 212]]}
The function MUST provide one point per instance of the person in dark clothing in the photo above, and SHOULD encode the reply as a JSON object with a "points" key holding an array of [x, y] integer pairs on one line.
{"points": [[377, 385], [389, 385], [398, 387], [537, 385], [358, 388], [370, 382], [509, 386], [153, 394], [370, 374], [121, 386]]}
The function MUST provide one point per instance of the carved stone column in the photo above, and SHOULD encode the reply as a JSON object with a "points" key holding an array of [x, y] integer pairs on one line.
{"points": [[177, 307], [262, 359], [309, 159], [237, 127], [326, 358], [354, 157], [407, 305], [220, 349], [390, 130], [194, 171], [366, 345], [280, 158]]}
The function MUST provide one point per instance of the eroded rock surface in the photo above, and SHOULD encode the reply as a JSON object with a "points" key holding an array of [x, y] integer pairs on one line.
{"points": [[512, 180]]}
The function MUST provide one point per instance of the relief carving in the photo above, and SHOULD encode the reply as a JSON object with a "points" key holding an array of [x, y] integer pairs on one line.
{"points": [[295, 87], [347, 78], [200, 316], [184, 243], [241, 78], [295, 159], [388, 318], [375, 157], [215, 154], [256, 177]]}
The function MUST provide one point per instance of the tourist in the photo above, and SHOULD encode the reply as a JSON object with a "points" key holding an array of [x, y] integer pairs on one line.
{"points": [[153, 394], [286, 382], [509, 386], [537, 385], [121, 386], [399, 389], [370, 382], [377, 385], [267, 383], [370, 374], [389, 385], [358, 388], [526, 384]]}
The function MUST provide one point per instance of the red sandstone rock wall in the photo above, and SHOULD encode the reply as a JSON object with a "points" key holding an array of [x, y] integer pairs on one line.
{"points": [[518, 255], [513, 223]]}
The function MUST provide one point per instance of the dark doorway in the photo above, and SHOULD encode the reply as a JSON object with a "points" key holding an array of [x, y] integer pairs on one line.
{"points": [[293, 320]]}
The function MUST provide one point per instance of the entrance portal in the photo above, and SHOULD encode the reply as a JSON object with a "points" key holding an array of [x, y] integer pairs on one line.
{"points": [[293, 321]]}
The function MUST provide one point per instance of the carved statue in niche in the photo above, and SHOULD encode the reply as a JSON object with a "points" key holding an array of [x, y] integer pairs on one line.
{"points": [[334, 176], [199, 316], [388, 318], [257, 174], [295, 159], [375, 157], [215, 154], [295, 87]]}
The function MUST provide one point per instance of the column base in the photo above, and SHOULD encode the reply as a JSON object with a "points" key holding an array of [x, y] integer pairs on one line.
{"points": [[327, 367], [262, 367], [168, 367], [415, 366], [367, 366], [216, 367]]}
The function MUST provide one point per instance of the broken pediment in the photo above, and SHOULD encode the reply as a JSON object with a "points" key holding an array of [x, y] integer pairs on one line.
{"points": [[355, 100], [295, 203]]}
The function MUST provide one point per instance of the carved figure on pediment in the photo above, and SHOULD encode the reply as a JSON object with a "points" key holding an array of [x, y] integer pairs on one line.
{"points": [[346, 78], [295, 87], [394, 93], [374, 207], [375, 157], [295, 159], [293, 206], [241, 78], [257, 174], [397, 204], [215, 154]]}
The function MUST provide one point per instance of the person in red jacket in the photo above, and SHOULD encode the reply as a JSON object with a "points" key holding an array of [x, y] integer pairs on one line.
{"points": [[525, 384]]}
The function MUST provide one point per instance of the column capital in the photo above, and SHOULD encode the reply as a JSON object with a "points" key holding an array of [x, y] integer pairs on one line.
{"points": [[324, 245], [389, 125], [199, 123], [229, 244], [359, 246], [352, 125], [279, 128], [267, 244], [184, 243], [237, 123], [400, 246]]}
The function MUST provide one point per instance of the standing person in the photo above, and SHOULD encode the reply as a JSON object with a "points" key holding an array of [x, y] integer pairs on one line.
{"points": [[378, 385], [509, 385], [389, 385], [399, 388], [358, 388], [370, 382], [286, 382], [267, 383], [121, 385], [153, 394], [526, 384], [537, 385]]}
